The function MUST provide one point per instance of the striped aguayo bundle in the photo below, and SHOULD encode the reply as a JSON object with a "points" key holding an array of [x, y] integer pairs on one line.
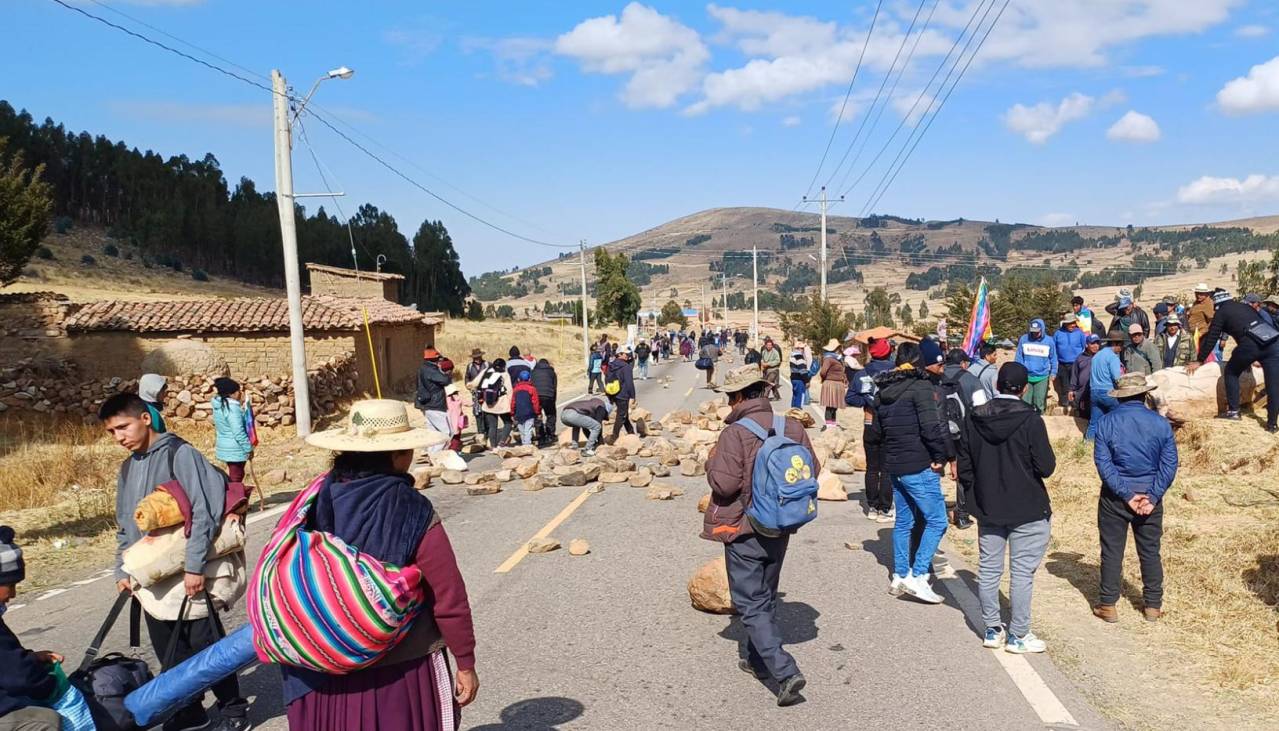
{"points": [[317, 603]]}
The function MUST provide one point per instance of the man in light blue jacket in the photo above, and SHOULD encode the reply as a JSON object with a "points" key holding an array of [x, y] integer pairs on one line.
{"points": [[1038, 353], [1070, 341], [1105, 373]]}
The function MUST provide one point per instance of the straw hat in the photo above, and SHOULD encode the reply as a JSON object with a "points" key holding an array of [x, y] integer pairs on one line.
{"points": [[1131, 384], [832, 345], [740, 378], [1202, 288], [376, 425]]}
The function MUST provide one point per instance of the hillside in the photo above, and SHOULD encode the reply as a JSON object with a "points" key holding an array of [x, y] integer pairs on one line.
{"points": [[685, 258]]}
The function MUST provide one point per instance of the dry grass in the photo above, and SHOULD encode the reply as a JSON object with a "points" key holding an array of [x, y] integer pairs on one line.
{"points": [[1215, 655]]}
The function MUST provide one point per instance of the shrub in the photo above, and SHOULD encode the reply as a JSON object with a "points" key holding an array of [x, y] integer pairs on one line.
{"points": [[111, 250], [199, 275], [62, 224], [88, 260], [44, 252], [128, 256]]}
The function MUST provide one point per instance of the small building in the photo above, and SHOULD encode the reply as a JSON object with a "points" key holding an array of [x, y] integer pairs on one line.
{"points": [[351, 283], [111, 338]]}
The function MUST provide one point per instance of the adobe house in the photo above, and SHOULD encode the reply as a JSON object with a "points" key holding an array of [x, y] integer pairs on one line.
{"points": [[338, 282]]}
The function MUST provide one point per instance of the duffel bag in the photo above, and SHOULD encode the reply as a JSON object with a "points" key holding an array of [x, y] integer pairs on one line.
{"points": [[106, 680]]}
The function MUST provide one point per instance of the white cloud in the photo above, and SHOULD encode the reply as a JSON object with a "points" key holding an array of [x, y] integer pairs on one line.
{"points": [[913, 106], [414, 43], [1054, 220], [519, 60], [844, 112], [1045, 119], [1252, 31], [665, 58], [1252, 189], [791, 121], [1256, 92], [1134, 127]]}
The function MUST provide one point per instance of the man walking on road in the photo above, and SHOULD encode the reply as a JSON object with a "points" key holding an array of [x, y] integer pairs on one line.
{"points": [[1136, 458], [753, 554], [771, 361], [1004, 458]]}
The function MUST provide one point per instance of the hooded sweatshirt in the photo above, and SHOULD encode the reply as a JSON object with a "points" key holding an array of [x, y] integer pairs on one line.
{"points": [[909, 423], [1004, 458], [1038, 355], [1069, 344]]}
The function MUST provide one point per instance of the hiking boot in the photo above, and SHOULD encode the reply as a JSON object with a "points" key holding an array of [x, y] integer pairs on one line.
{"points": [[746, 667], [788, 693], [1025, 645], [1152, 614], [917, 586], [995, 638], [1106, 613], [1230, 416]]}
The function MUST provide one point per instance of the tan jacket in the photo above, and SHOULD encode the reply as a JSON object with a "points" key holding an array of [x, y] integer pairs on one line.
{"points": [[1199, 317]]}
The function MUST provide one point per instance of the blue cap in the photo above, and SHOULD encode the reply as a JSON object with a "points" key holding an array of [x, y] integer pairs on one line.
{"points": [[930, 352], [1125, 302], [1092, 339]]}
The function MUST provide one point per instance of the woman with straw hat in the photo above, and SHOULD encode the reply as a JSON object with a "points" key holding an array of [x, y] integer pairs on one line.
{"points": [[367, 500], [834, 382]]}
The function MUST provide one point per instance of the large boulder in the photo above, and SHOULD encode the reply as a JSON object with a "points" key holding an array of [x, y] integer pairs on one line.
{"points": [[185, 357], [708, 589], [1182, 397]]}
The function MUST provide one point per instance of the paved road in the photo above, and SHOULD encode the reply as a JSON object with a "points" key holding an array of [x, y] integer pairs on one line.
{"points": [[609, 641]]}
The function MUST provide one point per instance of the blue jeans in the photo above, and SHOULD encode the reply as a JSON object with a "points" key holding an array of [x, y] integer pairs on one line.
{"points": [[643, 369], [917, 497], [798, 389], [1102, 404]]}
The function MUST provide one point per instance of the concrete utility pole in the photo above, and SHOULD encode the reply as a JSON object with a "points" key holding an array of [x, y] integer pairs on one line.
{"points": [[755, 291], [288, 234], [586, 328], [702, 315], [823, 201]]}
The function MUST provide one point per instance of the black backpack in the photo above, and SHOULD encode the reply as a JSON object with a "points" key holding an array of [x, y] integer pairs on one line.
{"points": [[493, 393], [953, 405], [105, 681]]}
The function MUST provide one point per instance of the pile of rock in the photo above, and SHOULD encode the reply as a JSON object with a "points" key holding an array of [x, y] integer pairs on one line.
{"points": [[37, 385]]}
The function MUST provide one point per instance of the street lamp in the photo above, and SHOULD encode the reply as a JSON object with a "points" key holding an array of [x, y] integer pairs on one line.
{"points": [[341, 72]]}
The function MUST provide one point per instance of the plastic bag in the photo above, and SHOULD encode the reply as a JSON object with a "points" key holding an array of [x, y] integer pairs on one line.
{"points": [[73, 708]]}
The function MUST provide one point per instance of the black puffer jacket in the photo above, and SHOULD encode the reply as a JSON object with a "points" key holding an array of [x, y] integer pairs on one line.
{"points": [[544, 379], [1004, 458], [909, 422]]}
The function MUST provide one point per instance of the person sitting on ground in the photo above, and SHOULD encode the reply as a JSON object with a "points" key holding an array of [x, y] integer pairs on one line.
{"points": [[834, 383], [1004, 458], [155, 459], [367, 500], [1136, 458], [1140, 354], [753, 554], [152, 388], [28, 685], [525, 407], [231, 443], [1080, 396], [1172, 344], [1038, 353], [431, 381], [587, 415]]}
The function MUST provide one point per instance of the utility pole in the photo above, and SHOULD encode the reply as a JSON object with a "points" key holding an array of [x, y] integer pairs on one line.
{"points": [[702, 316], [586, 328], [755, 292], [288, 234], [823, 203]]}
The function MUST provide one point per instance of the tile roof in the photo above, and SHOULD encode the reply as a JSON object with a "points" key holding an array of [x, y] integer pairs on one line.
{"points": [[353, 274], [256, 314]]}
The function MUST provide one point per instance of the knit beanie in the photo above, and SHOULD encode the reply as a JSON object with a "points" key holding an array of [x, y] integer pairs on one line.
{"points": [[929, 353], [880, 349], [12, 567]]}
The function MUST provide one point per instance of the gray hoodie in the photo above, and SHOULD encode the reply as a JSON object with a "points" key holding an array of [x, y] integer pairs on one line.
{"points": [[205, 487]]}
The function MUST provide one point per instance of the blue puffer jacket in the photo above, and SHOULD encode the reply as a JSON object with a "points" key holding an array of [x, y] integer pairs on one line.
{"points": [[228, 424], [1069, 344], [1039, 356], [862, 390], [1135, 452]]}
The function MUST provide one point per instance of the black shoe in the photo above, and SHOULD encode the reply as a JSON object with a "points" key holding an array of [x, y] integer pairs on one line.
{"points": [[194, 718], [238, 723], [746, 667], [963, 522], [1273, 429], [1230, 416], [788, 694]]}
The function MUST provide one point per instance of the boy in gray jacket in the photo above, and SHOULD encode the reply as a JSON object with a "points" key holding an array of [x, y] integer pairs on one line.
{"points": [[154, 460]]}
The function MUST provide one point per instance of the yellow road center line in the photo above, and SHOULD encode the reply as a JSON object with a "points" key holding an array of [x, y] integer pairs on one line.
{"points": [[522, 551]]}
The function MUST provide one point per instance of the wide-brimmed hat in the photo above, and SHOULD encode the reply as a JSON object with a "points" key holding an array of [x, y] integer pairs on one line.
{"points": [[1115, 335], [832, 345], [1202, 288], [376, 425], [740, 378], [477, 353], [1131, 384]]}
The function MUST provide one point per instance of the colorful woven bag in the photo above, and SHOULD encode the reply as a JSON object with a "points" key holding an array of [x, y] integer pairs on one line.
{"points": [[317, 603]]}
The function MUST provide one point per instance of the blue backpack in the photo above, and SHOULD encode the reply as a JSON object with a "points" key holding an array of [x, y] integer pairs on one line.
{"points": [[784, 482]]}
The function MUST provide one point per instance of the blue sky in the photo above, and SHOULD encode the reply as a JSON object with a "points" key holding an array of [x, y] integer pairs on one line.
{"points": [[564, 120]]}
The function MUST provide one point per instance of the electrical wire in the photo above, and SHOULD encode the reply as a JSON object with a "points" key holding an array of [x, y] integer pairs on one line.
{"points": [[319, 169]]}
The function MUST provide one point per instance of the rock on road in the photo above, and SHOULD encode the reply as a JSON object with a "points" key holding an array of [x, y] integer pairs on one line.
{"points": [[609, 640]]}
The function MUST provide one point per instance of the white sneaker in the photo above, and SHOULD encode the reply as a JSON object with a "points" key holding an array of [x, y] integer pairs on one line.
{"points": [[994, 638], [1023, 645], [889, 517], [917, 586], [872, 514], [898, 584]]}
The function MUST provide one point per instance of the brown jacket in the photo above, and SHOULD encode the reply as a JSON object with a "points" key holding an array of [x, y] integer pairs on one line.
{"points": [[731, 466], [1200, 317], [832, 370]]}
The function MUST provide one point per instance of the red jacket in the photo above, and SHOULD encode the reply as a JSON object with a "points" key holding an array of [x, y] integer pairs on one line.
{"points": [[525, 387]]}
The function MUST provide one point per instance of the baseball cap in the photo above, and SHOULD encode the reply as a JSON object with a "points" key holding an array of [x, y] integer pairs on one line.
{"points": [[930, 352], [1013, 376], [1094, 338], [1135, 328], [1252, 298], [1035, 326]]}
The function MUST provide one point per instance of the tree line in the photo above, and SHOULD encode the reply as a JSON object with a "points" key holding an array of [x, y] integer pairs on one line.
{"points": [[182, 209]]}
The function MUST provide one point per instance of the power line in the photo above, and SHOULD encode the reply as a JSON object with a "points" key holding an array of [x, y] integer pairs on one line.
{"points": [[847, 94], [318, 118]]}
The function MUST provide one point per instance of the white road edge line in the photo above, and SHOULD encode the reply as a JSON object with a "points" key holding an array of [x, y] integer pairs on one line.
{"points": [[1042, 700]]}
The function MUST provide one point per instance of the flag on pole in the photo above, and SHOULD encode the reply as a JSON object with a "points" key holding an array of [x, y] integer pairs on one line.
{"points": [[978, 321], [250, 425]]}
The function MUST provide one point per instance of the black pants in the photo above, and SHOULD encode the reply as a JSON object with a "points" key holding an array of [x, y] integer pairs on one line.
{"points": [[497, 427], [710, 376], [1245, 353], [195, 636], [622, 417], [1064, 384], [754, 570], [1113, 520], [597, 380], [548, 414], [879, 486]]}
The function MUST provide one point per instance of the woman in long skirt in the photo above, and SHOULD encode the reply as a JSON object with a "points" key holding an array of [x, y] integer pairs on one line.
{"points": [[834, 382]]}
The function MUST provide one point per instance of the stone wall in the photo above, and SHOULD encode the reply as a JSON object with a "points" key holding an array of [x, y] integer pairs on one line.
{"points": [[58, 387], [111, 354], [32, 324]]}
